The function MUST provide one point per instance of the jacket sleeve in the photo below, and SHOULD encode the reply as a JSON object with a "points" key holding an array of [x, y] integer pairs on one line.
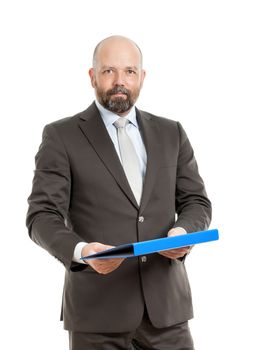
{"points": [[47, 217], [192, 204]]}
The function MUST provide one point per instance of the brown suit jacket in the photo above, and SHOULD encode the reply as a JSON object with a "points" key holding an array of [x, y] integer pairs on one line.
{"points": [[80, 193]]}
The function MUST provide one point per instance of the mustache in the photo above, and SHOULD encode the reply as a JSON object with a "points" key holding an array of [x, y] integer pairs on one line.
{"points": [[118, 89]]}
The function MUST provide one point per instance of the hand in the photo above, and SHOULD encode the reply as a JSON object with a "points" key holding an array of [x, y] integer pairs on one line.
{"points": [[178, 252], [103, 266]]}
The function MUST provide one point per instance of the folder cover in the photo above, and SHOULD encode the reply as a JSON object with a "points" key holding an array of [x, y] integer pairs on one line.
{"points": [[156, 245]]}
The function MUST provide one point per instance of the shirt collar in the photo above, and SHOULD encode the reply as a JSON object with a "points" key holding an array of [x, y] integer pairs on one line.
{"points": [[109, 117]]}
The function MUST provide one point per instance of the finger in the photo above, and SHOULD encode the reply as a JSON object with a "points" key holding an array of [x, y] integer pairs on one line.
{"points": [[105, 270], [176, 231], [174, 254], [107, 265], [169, 255], [175, 251], [101, 247]]}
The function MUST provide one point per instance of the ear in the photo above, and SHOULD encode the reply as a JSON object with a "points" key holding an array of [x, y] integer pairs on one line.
{"points": [[92, 76], [143, 74]]}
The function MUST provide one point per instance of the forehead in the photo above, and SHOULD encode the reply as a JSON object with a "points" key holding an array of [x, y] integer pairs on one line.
{"points": [[121, 53]]}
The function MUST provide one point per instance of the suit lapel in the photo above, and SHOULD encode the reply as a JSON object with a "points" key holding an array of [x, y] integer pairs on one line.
{"points": [[94, 129], [149, 132]]}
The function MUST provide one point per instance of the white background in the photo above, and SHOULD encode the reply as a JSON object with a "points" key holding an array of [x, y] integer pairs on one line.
{"points": [[204, 68]]}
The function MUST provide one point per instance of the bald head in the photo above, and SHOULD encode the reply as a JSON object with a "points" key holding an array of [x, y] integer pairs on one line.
{"points": [[116, 45]]}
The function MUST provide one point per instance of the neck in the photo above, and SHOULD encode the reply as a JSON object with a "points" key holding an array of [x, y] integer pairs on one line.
{"points": [[124, 113]]}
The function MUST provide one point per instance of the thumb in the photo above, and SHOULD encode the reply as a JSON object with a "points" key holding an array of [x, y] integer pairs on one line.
{"points": [[176, 231]]}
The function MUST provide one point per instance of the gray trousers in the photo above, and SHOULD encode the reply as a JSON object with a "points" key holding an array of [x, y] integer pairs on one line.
{"points": [[145, 337]]}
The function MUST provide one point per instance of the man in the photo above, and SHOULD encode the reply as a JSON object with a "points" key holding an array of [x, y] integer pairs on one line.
{"points": [[112, 175]]}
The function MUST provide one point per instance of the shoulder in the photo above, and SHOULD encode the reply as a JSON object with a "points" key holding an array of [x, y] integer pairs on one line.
{"points": [[68, 124], [163, 123], [167, 128]]}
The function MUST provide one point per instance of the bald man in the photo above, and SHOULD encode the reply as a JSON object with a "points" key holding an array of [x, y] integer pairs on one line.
{"points": [[111, 175]]}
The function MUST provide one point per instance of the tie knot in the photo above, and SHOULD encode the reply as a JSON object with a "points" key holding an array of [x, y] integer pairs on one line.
{"points": [[121, 123]]}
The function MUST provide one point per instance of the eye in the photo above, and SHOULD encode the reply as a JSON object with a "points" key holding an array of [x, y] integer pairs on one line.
{"points": [[131, 71], [108, 71]]}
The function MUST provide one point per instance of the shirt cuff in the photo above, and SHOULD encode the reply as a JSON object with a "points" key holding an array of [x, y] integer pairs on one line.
{"points": [[77, 252]]}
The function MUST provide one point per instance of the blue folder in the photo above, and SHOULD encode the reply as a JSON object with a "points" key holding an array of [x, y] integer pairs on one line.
{"points": [[156, 245]]}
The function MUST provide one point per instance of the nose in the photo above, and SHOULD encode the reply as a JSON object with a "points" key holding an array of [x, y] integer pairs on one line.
{"points": [[119, 78]]}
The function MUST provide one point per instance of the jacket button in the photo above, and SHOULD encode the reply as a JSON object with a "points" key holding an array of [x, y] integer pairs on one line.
{"points": [[141, 219], [144, 259]]}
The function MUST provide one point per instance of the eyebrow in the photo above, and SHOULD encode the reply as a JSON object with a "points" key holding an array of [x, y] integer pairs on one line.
{"points": [[132, 67], [111, 67]]}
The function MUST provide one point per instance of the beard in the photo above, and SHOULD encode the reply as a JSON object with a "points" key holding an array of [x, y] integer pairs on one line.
{"points": [[117, 104]]}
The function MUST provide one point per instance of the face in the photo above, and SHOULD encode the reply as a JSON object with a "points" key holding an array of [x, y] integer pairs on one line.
{"points": [[117, 76]]}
